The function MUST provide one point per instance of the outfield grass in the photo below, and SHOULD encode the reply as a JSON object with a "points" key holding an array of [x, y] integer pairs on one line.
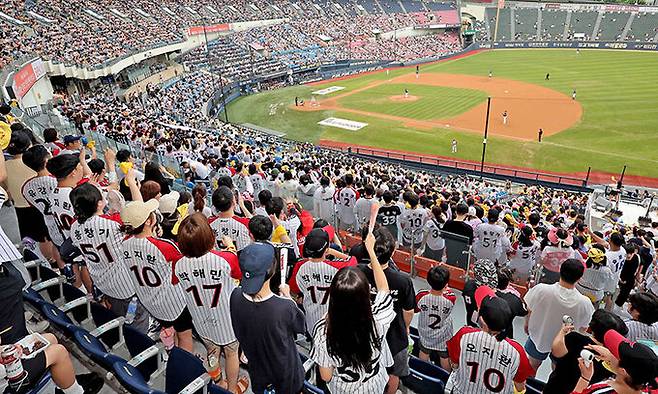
{"points": [[617, 90]]}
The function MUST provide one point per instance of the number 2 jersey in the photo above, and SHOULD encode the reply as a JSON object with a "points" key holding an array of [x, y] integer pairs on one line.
{"points": [[487, 365], [151, 261], [434, 319], [99, 238], [37, 191], [208, 284], [312, 280]]}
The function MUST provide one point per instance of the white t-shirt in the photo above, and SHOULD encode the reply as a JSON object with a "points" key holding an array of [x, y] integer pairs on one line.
{"points": [[616, 261], [548, 303], [347, 380]]}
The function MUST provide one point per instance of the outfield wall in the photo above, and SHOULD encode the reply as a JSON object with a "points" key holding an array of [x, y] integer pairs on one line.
{"points": [[637, 46]]}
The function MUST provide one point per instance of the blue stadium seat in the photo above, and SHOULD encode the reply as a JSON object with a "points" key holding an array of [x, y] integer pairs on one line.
{"points": [[184, 368], [132, 380], [101, 315], [424, 377], [429, 369], [95, 349], [534, 386], [44, 384], [137, 342], [59, 319]]}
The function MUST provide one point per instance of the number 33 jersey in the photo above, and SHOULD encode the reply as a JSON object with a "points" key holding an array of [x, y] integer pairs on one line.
{"points": [[434, 319], [99, 239]]}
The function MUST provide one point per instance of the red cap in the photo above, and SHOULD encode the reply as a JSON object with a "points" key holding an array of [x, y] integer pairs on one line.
{"points": [[481, 293], [330, 230], [612, 339]]}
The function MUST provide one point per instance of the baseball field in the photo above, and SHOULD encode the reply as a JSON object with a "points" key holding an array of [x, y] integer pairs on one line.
{"points": [[612, 122]]}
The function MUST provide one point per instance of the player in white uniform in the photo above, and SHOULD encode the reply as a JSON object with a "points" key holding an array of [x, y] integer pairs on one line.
{"points": [[312, 278], [150, 261], [412, 222], [69, 170], [491, 242], [485, 362], [434, 307], [345, 200], [226, 224], [208, 278]]}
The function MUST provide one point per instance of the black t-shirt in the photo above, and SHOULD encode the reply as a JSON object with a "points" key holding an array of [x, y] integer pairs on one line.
{"points": [[11, 298], [266, 331], [565, 376], [387, 216], [404, 299], [627, 275], [516, 306], [460, 228], [359, 251]]}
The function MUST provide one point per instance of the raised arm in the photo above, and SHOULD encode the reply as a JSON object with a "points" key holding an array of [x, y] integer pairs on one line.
{"points": [[378, 272]]}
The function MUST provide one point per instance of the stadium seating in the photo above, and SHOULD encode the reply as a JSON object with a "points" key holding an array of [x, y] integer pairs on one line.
{"points": [[185, 369], [643, 28], [583, 22], [525, 20], [552, 25], [425, 378], [612, 25]]}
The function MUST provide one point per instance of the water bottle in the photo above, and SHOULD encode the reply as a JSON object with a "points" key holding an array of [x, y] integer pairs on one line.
{"points": [[269, 390], [214, 370], [132, 311]]}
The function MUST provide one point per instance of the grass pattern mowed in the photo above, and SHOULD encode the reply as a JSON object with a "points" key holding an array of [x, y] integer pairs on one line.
{"points": [[434, 102], [617, 90]]}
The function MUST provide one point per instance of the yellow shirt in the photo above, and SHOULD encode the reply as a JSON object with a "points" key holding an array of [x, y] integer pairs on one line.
{"points": [[17, 174]]}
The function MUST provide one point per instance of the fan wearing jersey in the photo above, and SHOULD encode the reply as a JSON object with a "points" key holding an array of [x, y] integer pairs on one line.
{"points": [[485, 362], [345, 200], [433, 244], [207, 276], [256, 178], [323, 200], [412, 221], [616, 257], [151, 261], [434, 308], [99, 238], [226, 223], [524, 255], [69, 170], [643, 308], [311, 278], [349, 343], [363, 204], [491, 242], [388, 214], [36, 192]]}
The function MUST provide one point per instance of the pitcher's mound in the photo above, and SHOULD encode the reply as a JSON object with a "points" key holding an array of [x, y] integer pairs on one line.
{"points": [[402, 98]]}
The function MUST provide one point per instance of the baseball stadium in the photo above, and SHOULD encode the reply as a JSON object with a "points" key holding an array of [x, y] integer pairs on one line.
{"points": [[328, 197]]}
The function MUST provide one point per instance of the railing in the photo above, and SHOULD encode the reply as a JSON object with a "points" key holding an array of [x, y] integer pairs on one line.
{"points": [[473, 167]]}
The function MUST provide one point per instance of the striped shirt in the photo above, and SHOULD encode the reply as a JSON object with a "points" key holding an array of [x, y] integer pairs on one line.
{"points": [[312, 280], [638, 330], [151, 262], [258, 182], [100, 241], [62, 210], [412, 222], [374, 378], [345, 200], [236, 228], [524, 259], [487, 365], [37, 191], [596, 281], [208, 284], [490, 242], [434, 319], [433, 230]]}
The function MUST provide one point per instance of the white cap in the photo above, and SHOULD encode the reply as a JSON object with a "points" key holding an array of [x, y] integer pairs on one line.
{"points": [[169, 202]]}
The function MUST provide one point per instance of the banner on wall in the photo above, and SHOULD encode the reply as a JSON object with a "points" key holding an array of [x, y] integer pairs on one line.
{"points": [[196, 30], [27, 76], [578, 44]]}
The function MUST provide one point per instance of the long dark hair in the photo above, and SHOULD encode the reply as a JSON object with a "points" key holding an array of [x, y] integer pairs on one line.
{"points": [[152, 173], [199, 193], [351, 334], [85, 198]]}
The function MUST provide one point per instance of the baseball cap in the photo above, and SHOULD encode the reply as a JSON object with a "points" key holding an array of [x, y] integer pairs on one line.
{"points": [[316, 242], [62, 165], [553, 237], [596, 255], [135, 213], [68, 139], [639, 361], [492, 309], [169, 202], [255, 262], [485, 273]]}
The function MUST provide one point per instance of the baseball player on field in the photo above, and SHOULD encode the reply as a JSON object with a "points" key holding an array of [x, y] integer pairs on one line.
{"points": [[505, 117], [226, 223], [484, 362], [434, 307], [150, 261], [312, 277], [208, 278]]}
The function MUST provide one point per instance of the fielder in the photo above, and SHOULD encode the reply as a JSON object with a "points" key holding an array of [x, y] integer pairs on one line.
{"points": [[505, 117], [453, 146], [406, 93]]}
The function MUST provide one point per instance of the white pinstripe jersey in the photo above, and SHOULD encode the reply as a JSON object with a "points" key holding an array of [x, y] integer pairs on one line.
{"points": [[412, 222], [258, 182], [374, 378], [487, 365], [362, 210], [37, 191], [345, 201], [239, 182], [151, 262], [434, 319], [235, 228], [208, 286], [434, 240], [312, 280], [100, 241], [62, 210], [524, 259], [638, 330], [489, 241]]}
